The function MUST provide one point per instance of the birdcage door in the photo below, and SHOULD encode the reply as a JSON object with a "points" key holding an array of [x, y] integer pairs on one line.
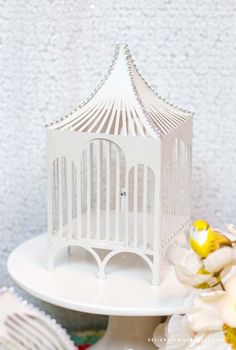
{"points": [[102, 184]]}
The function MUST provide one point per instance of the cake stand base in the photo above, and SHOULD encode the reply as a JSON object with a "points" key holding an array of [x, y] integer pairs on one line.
{"points": [[126, 295], [128, 333]]}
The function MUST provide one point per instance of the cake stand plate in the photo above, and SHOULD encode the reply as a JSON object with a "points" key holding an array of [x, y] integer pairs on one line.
{"points": [[126, 295]]}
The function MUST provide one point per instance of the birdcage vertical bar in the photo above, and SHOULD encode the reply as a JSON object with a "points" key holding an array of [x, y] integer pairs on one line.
{"points": [[79, 200], [181, 182], [186, 181], [178, 188], [60, 195], [135, 206], [157, 227], [189, 180], [98, 144], [168, 198], [69, 197], [89, 160], [171, 188], [175, 189], [126, 207], [171, 191], [117, 214], [188, 175], [186, 184], [144, 207], [108, 187], [163, 198], [51, 183], [55, 200]]}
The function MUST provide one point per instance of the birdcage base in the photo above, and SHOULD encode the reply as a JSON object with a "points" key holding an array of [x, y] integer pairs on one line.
{"points": [[126, 295]]}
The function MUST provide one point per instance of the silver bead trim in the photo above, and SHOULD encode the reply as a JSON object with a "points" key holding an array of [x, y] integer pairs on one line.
{"points": [[148, 118], [110, 69], [129, 58], [151, 88]]}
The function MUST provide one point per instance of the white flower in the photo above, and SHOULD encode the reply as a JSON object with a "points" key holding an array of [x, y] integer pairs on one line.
{"points": [[187, 264], [211, 323], [228, 303], [210, 341], [194, 272], [174, 334], [219, 259], [201, 329], [188, 271], [206, 322], [205, 314]]}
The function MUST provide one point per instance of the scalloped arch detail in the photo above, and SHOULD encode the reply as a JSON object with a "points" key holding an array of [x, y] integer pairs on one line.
{"points": [[55, 251], [113, 253]]}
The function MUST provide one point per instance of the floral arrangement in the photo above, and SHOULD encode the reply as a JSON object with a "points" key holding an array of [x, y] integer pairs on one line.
{"points": [[208, 269]]}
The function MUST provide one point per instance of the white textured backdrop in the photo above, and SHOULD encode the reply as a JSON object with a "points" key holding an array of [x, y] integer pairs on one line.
{"points": [[52, 55]]}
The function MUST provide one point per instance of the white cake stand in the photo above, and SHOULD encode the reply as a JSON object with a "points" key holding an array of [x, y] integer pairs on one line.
{"points": [[126, 295]]}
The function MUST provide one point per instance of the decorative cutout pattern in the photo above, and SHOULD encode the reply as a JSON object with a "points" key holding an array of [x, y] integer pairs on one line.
{"points": [[124, 104]]}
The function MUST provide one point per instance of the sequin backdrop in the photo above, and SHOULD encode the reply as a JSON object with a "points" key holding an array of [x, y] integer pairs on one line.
{"points": [[52, 55]]}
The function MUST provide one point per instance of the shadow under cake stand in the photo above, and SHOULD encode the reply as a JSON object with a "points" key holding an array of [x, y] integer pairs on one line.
{"points": [[126, 295]]}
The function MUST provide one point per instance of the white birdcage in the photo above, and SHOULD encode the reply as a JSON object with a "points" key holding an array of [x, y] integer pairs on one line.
{"points": [[119, 171]]}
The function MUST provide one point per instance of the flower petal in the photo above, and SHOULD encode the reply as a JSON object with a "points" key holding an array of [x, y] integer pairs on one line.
{"points": [[179, 330], [209, 341], [227, 309], [159, 336], [190, 278], [219, 259], [193, 262], [227, 305], [205, 314], [231, 288]]}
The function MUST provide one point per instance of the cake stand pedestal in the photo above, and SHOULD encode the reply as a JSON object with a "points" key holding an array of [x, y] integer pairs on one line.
{"points": [[126, 295]]}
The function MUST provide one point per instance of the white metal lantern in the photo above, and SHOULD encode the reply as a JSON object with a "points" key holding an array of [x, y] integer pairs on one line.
{"points": [[119, 171]]}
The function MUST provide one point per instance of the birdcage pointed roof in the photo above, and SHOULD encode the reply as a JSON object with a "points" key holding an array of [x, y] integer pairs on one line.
{"points": [[124, 104]]}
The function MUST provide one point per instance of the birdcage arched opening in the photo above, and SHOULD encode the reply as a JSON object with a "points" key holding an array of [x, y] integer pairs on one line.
{"points": [[102, 184]]}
